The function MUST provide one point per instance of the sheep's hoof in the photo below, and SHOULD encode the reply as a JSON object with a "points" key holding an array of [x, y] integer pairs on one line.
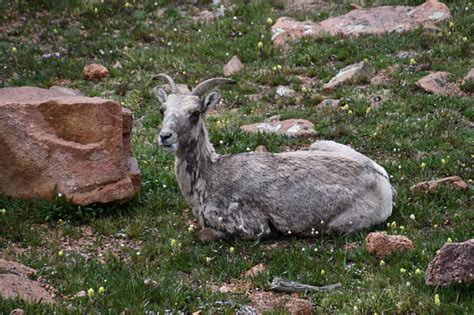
{"points": [[208, 235]]}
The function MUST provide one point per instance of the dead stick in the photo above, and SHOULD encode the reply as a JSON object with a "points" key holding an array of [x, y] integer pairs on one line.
{"points": [[281, 285]]}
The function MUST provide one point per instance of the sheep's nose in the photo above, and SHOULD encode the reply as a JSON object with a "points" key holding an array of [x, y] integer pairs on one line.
{"points": [[165, 136]]}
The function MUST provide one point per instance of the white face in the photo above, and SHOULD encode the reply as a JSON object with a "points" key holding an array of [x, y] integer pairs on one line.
{"points": [[182, 117]]}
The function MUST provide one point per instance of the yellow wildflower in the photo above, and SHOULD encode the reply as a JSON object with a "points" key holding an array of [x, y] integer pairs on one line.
{"points": [[90, 293]]}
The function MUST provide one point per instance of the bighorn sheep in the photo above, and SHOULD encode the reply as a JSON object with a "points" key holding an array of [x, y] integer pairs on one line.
{"points": [[329, 188]]}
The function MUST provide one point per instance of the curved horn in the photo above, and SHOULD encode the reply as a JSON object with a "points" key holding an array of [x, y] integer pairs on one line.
{"points": [[205, 86], [174, 88]]}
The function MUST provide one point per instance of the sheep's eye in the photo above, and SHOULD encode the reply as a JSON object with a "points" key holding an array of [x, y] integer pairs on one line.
{"points": [[194, 116], [162, 110]]}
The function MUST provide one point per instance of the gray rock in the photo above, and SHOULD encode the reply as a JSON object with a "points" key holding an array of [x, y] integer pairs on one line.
{"points": [[293, 128]]}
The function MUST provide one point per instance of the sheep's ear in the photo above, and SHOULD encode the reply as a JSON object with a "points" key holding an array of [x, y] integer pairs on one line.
{"points": [[211, 99], [160, 94]]}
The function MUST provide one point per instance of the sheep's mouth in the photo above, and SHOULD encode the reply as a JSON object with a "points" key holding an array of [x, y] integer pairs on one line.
{"points": [[170, 147]]}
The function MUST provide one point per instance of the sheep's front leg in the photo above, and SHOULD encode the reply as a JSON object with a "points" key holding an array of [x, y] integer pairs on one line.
{"points": [[236, 220]]}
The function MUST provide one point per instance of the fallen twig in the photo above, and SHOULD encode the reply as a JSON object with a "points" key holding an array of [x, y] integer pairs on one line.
{"points": [[281, 285]]}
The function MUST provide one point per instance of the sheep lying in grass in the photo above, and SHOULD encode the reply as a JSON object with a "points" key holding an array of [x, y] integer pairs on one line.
{"points": [[330, 188]]}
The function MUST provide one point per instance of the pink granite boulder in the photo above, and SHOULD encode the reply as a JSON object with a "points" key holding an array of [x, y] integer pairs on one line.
{"points": [[371, 21], [77, 146]]}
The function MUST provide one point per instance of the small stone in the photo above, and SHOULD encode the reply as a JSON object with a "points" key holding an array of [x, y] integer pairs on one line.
{"points": [[284, 91], [225, 289], [297, 306], [329, 102], [254, 97], [453, 265], [293, 128], [350, 74], [355, 6], [207, 16], [95, 71], [405, 54], [233, 66], [260, 149], [117, 65], [431, 186], [382, 245], [438, 83], [80, 294], [431, 28]]}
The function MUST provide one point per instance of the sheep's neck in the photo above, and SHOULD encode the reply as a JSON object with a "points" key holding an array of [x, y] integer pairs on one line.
{"points": [[191, 166]]}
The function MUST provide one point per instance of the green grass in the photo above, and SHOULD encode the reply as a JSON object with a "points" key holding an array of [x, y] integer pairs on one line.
{"points": [[410, 128]]}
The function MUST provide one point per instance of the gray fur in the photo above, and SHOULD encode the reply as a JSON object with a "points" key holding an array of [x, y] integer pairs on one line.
{"points": [[330, 188]]}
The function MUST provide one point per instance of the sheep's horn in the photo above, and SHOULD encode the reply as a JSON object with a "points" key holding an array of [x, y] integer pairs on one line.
{"points": [[205, 86], [174, 88]]}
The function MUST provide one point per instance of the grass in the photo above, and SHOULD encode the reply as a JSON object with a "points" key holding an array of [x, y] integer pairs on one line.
{"points": [[162, 266]]}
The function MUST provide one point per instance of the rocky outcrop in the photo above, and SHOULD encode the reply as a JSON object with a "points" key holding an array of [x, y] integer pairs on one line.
{"points": [[454, 264], [53, 142], [372, 21]]}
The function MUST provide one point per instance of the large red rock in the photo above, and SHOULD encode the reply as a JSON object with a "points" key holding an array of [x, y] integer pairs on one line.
{"points": [[372, 21], [53, 142], [453, 265]]}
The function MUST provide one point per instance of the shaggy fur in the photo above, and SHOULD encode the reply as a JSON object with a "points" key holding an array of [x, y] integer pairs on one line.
{"points": [[330, 188]]}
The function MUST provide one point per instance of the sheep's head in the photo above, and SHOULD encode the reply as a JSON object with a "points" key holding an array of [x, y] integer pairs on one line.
{"points": [[183, 113]]}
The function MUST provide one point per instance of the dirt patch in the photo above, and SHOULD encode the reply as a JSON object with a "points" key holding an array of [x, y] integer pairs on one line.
{"points": [[89, 244]]}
